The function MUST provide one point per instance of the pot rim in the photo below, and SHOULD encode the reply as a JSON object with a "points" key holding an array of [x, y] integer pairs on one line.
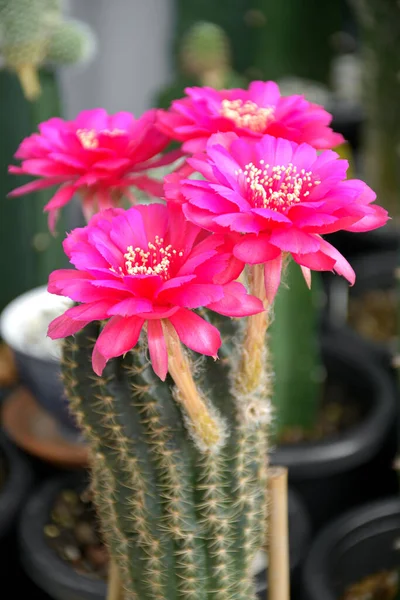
{"points": [[316, 581], [10, 319], [310, 460]]}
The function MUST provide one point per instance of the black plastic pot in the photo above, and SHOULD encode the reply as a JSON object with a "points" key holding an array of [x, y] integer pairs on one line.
{"points": [[13, 493], [61, 582], [355, 466], [374, 271], [361, 542]]}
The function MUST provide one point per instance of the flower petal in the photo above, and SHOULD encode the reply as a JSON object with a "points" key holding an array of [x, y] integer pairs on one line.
{"points": [[255, 249], [193, 295], [272, 277], [236, 302], [63, 326], [157, 348], [196, 333], [130, 307], [119, 335], [307, 275], [294, 240]]}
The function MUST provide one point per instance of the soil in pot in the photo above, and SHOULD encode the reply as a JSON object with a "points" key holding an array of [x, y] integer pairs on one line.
{"points": [[380, 586], [373, 315], [73, 532], [348, 460], [372, 309], [339, 411]]}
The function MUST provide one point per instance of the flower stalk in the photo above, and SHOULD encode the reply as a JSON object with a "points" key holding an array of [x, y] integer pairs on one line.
{"points": [[253, 356], [206, 427]]}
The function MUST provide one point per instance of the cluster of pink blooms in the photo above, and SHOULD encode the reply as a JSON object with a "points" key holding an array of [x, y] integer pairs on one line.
{"points": [[268, 185]]}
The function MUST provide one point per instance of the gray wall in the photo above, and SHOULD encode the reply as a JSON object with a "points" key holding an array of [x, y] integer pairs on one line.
{"points": [[131, 64], [133, 55]]}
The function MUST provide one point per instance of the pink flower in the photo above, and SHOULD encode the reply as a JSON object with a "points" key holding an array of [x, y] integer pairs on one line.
{"points": [[249, 113], [97, 155], [280, 197], [142, 267]]}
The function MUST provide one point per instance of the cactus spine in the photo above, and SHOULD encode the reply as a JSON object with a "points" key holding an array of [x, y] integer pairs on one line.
{"points": [[180, 521]]}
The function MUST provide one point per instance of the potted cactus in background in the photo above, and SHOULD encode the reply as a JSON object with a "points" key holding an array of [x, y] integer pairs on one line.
{"points": [[370, 309], [165, 362]]}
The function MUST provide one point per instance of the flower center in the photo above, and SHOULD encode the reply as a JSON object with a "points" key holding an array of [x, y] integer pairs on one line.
{"points": [[247, 115], [277, 187], [158, 259], [89, 137]]}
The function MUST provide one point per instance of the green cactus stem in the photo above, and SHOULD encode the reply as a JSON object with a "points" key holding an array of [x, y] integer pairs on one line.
{"points": [[295, 354], [181, 522], [33, 253], [379, 22], [203, 58], [291, 38]]}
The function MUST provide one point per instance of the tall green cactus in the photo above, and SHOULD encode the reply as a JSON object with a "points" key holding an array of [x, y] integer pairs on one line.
{"points": [[181, 522], [292, 39], [295, 352], [33, 252], [379, 22]]}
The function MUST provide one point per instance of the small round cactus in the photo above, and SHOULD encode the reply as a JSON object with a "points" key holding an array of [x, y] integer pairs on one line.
{"points": [[71, 42], [34, 33], [205, 48], [23, 41]]}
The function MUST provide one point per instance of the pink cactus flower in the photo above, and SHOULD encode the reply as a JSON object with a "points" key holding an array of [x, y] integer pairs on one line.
{"points": [[142, 267], [250, 113], [281, 198], [100, 156]]}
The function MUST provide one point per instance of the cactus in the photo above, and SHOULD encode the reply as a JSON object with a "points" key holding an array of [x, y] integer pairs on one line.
{"points": [[71, 42], [291, 39], [204, 58], [33, 33], [180, 521], [24, 232], [379, 21], [297, 364]]}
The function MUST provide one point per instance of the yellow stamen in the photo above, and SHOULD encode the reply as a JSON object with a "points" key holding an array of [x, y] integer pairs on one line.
{"points": [[247, 115]]}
